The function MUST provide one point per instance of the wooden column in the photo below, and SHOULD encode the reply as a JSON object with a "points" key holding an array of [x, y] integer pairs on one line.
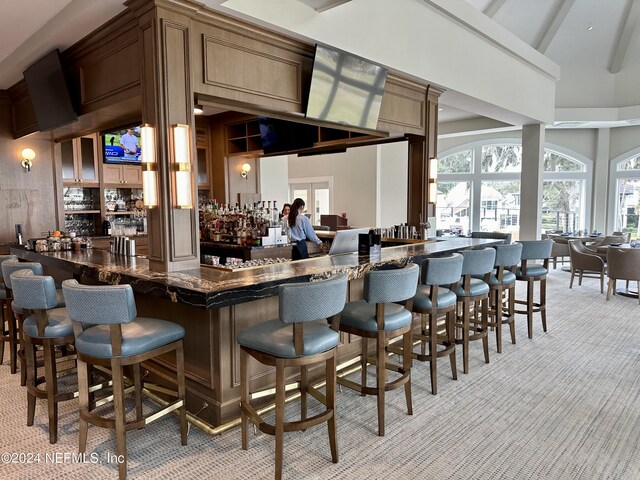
{"points": [[421, 149], [167, 100]]}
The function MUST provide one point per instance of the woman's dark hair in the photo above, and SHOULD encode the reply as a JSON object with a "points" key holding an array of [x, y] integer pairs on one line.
{"points": [[284, 207], [297, 204]]}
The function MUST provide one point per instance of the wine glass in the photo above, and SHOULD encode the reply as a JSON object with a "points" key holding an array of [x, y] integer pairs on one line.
{"points": [[633, 243]]}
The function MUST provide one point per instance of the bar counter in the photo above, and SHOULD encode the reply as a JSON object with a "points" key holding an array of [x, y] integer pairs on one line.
{"points": [[213, 306]]}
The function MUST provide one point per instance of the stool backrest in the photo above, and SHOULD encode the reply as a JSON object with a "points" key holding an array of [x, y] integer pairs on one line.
{"points": [[478, 262], [10, 266], [310, 301], [536, 249], [508, 255], [99, 304], [442, 270], [396, 285], [33, 292], [505, 237], [2, 259]]}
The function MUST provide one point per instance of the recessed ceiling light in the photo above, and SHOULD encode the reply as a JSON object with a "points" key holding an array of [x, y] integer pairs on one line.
{"points": [[589, 27], [440, 109]]}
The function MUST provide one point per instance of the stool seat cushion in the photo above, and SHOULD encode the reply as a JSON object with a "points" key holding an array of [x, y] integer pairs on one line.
{"points": [[421, 301], [276, 338], [362, 315], [59, 325], [476, 287], [140, 336], [508, 278], [533, 270], [20, 311]]}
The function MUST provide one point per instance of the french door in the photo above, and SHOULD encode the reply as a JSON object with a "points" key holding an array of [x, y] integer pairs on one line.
{"points": [[317, 194]]}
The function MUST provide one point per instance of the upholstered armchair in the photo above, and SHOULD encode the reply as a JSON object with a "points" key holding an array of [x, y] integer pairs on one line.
{"points": [[623, 264], [585, 263]]}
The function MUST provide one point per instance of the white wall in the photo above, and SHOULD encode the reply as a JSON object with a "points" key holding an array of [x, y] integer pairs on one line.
{"points": [[392, 184], [624, 139], [354, 180], [274, 173]]}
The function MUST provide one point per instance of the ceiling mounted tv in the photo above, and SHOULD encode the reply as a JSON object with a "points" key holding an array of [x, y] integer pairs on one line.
{"points": [[345, 88], [49, 93], [281, 136], [122, 146]]}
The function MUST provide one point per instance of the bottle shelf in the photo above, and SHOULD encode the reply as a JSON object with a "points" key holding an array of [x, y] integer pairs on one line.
{"points": [[107, 213], [75, 212]]}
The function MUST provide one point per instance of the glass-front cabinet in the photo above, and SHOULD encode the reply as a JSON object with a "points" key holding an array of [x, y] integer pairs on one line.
{"points": [[80, 161]]}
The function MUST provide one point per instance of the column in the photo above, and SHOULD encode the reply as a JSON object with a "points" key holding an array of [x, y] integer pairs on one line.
{"points": [[167, 100], [599, 198], [531, 181]]}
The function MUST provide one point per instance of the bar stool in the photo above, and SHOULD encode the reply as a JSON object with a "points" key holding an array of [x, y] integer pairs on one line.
{"points": [[502, 280], [4, 305], [109, 333], [377, 317], [530, 271], [16, 314], [432, 301], [298, 338], [48, 327], [473, 292]]}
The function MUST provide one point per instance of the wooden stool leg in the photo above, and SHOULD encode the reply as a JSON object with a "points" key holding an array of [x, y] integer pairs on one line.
{"points": [[303, 392], [381, 378], [530, 307], [465, 336], [423, 332], [30, 357], [512, 316], [138, 391], [180, 380], [363, 362], [83, 402], [451, 335], [280, 394], [244, 397], [543, 303], [23, 368], [13, 343], [407, 360], [331, 404], [51, 381], [3, 309], [497, 295], [119, 414], [433, 350], [484, 318]]}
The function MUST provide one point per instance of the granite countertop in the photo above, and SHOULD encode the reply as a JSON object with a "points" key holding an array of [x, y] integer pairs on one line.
{"points": [[206, 287]]}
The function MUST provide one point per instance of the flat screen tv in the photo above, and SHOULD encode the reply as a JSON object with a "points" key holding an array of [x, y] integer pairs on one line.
{"points": [[122, 145], [49, 93], [281, 136], [345, 88]]}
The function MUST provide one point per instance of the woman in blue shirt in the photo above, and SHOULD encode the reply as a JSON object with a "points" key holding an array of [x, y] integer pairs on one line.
{"points": [[301, 230]]}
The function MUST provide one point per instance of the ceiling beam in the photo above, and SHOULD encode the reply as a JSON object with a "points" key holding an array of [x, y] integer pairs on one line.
{"points": [[492, 8], [553, 25], [624, 39]]}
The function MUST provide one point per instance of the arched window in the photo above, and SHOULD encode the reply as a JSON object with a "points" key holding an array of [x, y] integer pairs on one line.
{"points": [[479, 188], [627, 194]]}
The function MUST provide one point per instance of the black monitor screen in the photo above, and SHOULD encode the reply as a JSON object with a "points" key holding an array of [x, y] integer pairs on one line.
{"points": [[345, 89], [281, 136], [49, 94]]}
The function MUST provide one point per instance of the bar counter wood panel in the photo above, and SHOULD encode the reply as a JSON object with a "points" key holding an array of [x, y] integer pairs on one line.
{"points": [[213, 306]]}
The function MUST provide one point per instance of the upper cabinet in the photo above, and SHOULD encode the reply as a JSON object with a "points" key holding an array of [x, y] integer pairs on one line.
{"points": [[80, 161], [119, 175]]}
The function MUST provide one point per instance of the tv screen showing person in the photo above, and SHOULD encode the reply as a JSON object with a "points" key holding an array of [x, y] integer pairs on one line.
{"points": [[122, 146]]}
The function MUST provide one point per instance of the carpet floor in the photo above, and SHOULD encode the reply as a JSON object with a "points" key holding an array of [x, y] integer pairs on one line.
{"points": [[564, 405]]}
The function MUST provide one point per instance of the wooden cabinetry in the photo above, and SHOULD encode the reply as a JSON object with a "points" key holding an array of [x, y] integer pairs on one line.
{"points": [[130, 175], [243, 137], [80, 161], [202, 157]]}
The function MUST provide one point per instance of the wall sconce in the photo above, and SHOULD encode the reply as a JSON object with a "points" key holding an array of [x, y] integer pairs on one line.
{"points": [[149, 166], [246, 168], [198, 109], [182, 166], [433, 180], [27, 159]]}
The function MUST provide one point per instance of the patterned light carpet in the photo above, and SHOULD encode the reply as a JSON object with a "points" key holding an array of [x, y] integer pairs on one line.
{"points": [[564, 405]]}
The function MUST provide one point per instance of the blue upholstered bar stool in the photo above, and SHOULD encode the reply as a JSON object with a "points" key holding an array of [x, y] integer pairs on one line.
{"points": [[48, 327], [300, 337], [109, 333], [16, 314], [379, 318], [5, 319], [503, 281], [473, 292], [532, 271], [431, 301]]}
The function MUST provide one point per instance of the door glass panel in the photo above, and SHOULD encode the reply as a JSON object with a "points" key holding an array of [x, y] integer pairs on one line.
{"points": [[202, 167], [628, 206], [321, 202], [87, 158], [67, 160]]}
